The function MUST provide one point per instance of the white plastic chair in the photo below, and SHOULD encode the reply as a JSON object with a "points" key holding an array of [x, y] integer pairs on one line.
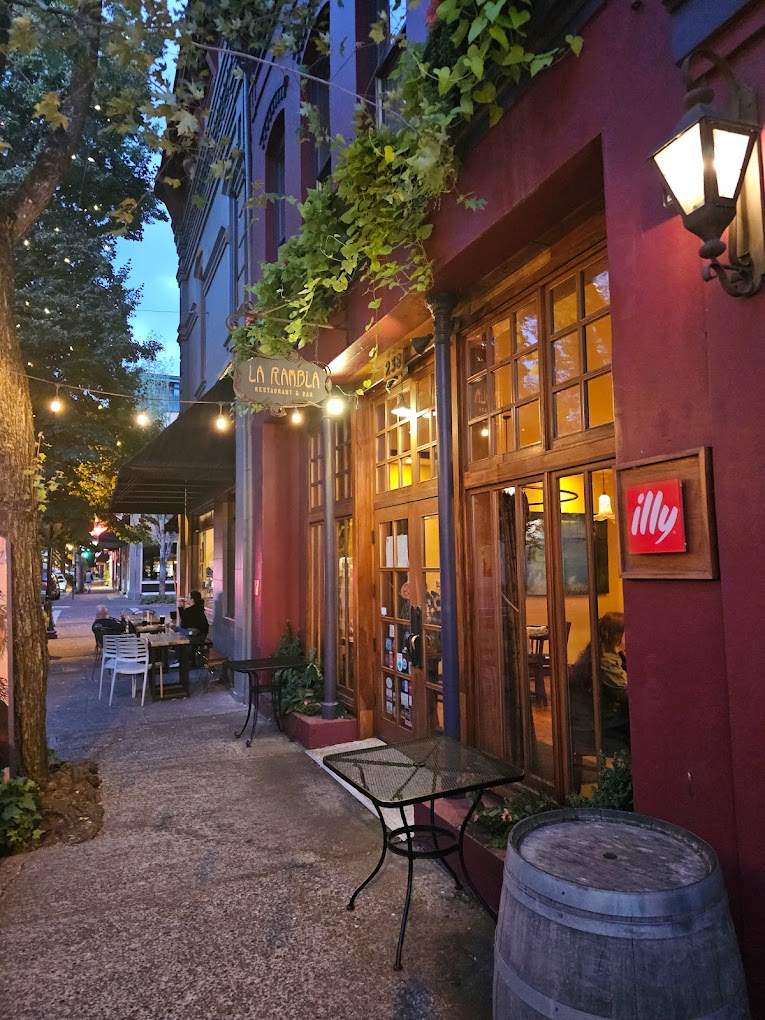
{"points": [[109, 647], [132, 659]]}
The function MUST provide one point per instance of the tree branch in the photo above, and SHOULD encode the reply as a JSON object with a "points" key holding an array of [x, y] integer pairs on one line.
{"points": [[29, 200]]}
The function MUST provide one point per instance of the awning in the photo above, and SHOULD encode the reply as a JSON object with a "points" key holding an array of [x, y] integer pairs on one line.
{"points": [[188, 463]]}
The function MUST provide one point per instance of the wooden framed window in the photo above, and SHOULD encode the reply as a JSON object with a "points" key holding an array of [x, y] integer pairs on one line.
{"points": [[315, 472], [540, 373], [406, 447], [342, 459]]}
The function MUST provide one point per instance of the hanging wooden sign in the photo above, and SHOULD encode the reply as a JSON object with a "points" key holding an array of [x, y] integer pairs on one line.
{"points": [[279, 383]]}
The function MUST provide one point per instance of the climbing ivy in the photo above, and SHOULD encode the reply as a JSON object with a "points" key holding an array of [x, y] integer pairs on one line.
{"points": [[371, 221]]}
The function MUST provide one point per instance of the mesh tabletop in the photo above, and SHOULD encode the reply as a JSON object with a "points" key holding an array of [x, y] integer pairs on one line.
{"points": [[397, 774]]}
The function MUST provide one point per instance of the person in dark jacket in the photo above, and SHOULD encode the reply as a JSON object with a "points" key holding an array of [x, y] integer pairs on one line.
{"points": [[193, 617], [105, 624]]}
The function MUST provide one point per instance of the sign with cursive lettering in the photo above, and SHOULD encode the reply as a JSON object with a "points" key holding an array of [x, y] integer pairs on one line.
{"points": [[279, 383], [655, 521], [666, 505]]}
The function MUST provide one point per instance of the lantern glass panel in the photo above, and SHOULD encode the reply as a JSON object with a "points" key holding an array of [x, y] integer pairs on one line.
{"points": [[730, 153], [681, 164]]}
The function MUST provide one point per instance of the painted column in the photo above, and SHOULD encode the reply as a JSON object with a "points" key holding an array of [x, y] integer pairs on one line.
{"points": [[329, 705], [441, 307]]}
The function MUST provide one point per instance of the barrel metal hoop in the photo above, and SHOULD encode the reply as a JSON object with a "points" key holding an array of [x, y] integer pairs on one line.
{"points": [[604, 924], [553, 1010]]}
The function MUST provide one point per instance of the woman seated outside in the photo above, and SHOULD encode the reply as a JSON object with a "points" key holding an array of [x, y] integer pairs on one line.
{"points": [[193, 617], [612, 676]]}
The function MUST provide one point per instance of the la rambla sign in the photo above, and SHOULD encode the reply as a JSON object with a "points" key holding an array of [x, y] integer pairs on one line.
{"points": [[279, 383]]}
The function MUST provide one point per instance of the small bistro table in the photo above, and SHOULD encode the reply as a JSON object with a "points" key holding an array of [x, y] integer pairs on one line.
{"points": [[415, 772], [261, 675], [181, 642]]}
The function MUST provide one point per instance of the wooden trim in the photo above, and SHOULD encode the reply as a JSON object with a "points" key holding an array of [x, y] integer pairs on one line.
{"points": [[536, 461], [700, 560]]}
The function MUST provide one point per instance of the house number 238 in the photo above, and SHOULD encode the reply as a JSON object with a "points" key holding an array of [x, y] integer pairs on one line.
{"points": [[394, 363]]}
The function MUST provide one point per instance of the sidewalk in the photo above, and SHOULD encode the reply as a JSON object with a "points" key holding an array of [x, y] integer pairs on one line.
{"points": [[219, 882]]}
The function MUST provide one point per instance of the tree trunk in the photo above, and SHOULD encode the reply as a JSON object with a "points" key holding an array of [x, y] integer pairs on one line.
{"points": [[18, 520]]}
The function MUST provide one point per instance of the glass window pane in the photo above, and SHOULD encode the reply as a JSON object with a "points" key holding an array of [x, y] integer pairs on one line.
{"points": [[528, 375], [598, 343], [479, 440], [566, 359], [597, 289], [600, 401], [503, 432], [423, 428], [477, 354], [406, 471], [390, 704], [382, 479], [381, 448], [402, 594], [529, 428], [380, 417], [478, 400], [503, 386], [405, 435], [431, 557], [564, 311], [386, 545], [502, 342], [526, 326], [402, 544], [568, 411], [386, 594], [394, 479], [424, 463], [433, 598]]}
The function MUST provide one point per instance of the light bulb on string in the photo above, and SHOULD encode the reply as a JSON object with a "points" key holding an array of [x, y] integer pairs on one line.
{"points": [[296, 417], [142, 419], [221, 422], [55, 404]]}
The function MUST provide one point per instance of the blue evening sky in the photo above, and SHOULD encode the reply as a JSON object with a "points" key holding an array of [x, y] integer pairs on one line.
{"points": [[153, 265]]}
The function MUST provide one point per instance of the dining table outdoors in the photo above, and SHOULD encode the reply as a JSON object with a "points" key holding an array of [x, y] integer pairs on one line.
{"points": [[421, 771], [262, 679], [161, 642]]}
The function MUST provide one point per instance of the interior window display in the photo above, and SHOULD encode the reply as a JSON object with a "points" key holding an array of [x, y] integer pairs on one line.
{"points": [[204, 551]]}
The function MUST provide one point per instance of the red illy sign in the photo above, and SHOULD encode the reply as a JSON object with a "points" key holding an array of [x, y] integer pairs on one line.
{"points": [[655, 521]]}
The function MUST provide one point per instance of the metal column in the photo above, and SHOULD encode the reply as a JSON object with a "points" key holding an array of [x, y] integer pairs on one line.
{"points": [[441, 307], [329, 704]]}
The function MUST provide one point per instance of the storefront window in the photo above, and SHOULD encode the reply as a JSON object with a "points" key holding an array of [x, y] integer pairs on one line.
{"points": [[553, 350], [406, 450], [204, 556], [346, 680]]}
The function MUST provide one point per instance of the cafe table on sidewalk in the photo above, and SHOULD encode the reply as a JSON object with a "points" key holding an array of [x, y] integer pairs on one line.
{"points": [[161, 642], [417, 772]]}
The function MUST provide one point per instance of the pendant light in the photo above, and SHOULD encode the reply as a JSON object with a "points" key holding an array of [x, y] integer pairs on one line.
{"points": [[605, 510]]}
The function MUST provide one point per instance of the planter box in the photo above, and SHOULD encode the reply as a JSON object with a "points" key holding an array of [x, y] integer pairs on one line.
{"points": [[312, 731], [484, 864]]}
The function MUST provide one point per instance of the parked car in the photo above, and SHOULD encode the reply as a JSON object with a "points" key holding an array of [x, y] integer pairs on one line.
{"points": [[61, 580]]}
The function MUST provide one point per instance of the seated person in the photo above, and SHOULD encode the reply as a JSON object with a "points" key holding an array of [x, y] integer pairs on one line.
{"points": [[193, 617], [106, 624], [612, 677]]}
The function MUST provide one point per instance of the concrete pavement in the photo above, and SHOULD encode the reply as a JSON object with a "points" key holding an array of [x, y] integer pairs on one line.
{"points": [[219, 882]]}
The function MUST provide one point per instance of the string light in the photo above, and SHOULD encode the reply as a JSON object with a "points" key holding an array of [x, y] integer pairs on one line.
{"points": [[27, 243], [335, 405], [296, 417], [55, 404], [142, 419], [221, 422]]}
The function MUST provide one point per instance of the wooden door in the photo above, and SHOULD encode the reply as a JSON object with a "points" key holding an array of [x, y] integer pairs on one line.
{"points": [[408, 611]]}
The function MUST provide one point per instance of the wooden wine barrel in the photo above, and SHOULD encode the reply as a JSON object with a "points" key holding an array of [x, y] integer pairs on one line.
{"points": [[607, 914]]}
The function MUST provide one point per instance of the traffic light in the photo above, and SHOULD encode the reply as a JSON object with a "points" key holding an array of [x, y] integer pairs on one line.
{"points": [[86, 553]]}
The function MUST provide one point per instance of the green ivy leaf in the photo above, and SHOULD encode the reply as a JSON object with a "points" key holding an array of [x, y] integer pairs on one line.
{"points": [[486, 93], [575, 43], [479, 24]]}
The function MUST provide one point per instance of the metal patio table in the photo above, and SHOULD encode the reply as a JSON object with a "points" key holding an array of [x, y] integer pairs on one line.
{"points": [[416, 772], [261, 676]]}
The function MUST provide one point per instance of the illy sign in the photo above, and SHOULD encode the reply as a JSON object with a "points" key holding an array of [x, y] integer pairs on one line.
{"points": [[655, 517]]}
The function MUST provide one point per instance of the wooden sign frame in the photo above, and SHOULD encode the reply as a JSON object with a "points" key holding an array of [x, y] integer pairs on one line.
{"points": [[699, 562]]}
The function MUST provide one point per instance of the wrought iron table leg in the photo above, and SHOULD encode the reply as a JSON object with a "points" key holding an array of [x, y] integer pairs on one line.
{"points": [[379, 864], [465, 872], [409, 877], [249, 710], [256, 700], [443, 860]]}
